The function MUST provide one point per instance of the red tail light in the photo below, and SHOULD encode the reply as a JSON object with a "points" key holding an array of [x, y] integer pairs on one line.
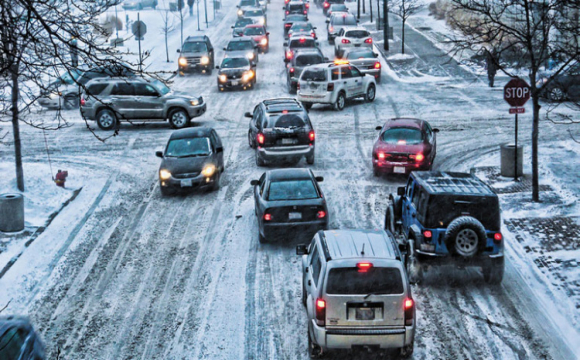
{"points": [[331, 29], [311, 135], [369, 41], [377, 65], [497, 237], [409, 307], [312, 34], [83, 102], [260, 138], [297, 86], [330, 87], [291, 70], [288, 25], [287, 12], [381, 156], [320, 312], [345, 41], [427, 234], [321, 214], [289, 54], [307, 5], [364, 267], [267, 217], [326, 5], [305, 12]]}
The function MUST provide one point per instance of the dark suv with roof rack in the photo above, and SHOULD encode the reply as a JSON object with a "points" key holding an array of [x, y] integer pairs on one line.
{"points": [[447, 217], [280, 129]]}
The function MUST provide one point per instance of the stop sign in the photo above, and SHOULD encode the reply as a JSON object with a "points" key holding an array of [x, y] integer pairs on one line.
{"points": [[516, 92]]}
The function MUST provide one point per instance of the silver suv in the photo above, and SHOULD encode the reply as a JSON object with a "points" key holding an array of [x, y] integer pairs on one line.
{"points": [[356, 292], [111, 100]]}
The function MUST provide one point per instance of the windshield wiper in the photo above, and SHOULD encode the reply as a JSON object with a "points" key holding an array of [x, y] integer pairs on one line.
{"points": [[377, 293], [192, 155]]}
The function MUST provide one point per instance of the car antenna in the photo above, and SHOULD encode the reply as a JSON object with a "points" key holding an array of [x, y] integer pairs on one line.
{"points": [[362, 252]]}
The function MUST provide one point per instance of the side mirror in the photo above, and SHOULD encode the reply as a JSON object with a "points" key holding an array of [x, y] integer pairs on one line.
{"points": [[217, 67], [254, 65], [376, 55], [267, 34], [314, 28], [219, 149], [302, 249], [285, 44], [225, 49], [435, 130], [401, 191], [379, 128], [286, 60], [248, 115], [326, 59], [233, 27], [159, 154], [319, 178], [254, 182], [178, 50], [328, 21]]}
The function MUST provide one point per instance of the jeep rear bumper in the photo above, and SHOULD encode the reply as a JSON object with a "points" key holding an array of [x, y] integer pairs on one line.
{"points": [[447, 259]]}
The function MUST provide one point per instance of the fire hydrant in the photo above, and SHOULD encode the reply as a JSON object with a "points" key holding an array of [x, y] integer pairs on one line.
{"points": [[61, 178]]}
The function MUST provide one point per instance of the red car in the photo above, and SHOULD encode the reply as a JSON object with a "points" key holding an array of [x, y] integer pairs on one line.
{"points": [[259, 34], [404, 145]]}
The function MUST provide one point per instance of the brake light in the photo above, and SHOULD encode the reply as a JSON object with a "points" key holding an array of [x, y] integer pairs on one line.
{"points": [[320, 312], [326, 4], [312, 136], [330, 87], [83, 102], [288, 25], [302, 40], [307, 5], [267, 217], [331, 29], [369, 41], [291, 70], [298, 86], [381, 156], [305, 12], [289, 54], [321, 214], [497, 237], [427, 234], [409, 306], [377, 65], [312, 34], [261, 138], [345, 41], [287, 12], [420, 157], [364, 267]]}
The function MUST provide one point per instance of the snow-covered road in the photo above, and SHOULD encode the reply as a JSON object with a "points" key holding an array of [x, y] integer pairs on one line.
{"points": [[127, 274]]}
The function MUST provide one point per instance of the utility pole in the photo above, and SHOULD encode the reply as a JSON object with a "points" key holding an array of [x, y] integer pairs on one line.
{"points": [[371, 6], [205, 7], [386, 25], [358, 9], [364, 7], [197, 2]]}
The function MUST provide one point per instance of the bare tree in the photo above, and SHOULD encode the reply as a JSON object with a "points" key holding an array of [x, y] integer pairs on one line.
{"points": [[167, 27], [531, 33], [404, 9], [42, 40]]}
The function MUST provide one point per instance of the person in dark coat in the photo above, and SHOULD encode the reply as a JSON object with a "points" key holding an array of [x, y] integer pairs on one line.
{"points": [[491, 65]]}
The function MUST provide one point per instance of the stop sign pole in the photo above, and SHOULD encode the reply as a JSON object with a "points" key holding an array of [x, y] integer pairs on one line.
{"points": [[516, 93]]}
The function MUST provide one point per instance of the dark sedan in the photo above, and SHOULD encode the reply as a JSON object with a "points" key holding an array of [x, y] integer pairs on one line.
{"points": [[563, 86], [289, 201], [404, 145], [18, 340], [235, 73], [291, 19], [193, 158]]}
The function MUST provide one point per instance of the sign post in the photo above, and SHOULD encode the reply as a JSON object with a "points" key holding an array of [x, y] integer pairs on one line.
{"points": [[139, 30], [516, 93]]}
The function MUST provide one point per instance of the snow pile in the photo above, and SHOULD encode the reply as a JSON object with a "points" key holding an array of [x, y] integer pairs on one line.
{"points": [[398, 57]]}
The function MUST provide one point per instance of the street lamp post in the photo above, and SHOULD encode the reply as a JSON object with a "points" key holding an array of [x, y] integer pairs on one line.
{"points": [[386, 25]]}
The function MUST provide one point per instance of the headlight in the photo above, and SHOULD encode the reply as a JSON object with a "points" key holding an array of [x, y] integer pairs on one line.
{"points": [[204, 60], [541, 82], [251, 56], [164, 174], [194, 102], [54, 95], [223, 78], [248, 75], [262, 21], [182, 61], [240, 12], [208, 170], [264, 41]]}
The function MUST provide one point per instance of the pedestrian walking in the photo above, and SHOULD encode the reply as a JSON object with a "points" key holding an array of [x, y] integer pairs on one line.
{"points": [[60, 178], [491, 64]]}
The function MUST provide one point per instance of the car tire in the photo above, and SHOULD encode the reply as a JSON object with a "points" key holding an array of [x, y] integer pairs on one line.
{"points": [[556, 94], [407, 351], [70, 102], [259, 160], [179, 119], [493, 271], [216, 184], [209, 71], [310, 160], [376, 171], [251, 141], [261, 239], [465, 236], [412, 264], [307, 105], [340, 101], [304, 296], [390, 219], [106, 119], [378, 79], [314, 350], [165, 191], [371, 93]]}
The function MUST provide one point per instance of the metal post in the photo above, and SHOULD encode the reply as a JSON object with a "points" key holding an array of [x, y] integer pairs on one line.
{"points": [[197, 2], [205, 7], [364, 7], [516, 152], [386, 25], [116, 28], [139, 39], [358, 9], [371, 8]]}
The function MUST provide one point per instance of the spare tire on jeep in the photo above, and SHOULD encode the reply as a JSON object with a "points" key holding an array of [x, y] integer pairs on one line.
{"points": [[465, 236]]}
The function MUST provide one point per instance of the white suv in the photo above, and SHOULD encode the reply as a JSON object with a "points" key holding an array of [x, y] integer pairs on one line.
{"points": [[333, 84], [351, 37]]}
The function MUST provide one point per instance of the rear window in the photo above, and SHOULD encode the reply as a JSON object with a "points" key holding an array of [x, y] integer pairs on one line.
{"points": [[357, 34], [298, 27], [384, 280], [286, 121], [304, 60], [302, 43], [403, 136], [298, 7], [360, 55], [442, 209], [295, 18], [243, 22], [344, 20], [314, 75], [292, 190]]}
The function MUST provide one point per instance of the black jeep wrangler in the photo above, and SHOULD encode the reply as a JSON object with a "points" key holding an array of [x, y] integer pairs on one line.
{"points": [[443, 217]]}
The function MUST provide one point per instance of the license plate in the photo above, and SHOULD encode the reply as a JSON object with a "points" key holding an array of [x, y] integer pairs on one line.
{"points": [[288, 141], [365, 313], [294, 216], [186, 183], [313, 86], [235, 83], [399, 169], [356, 45], [428, 247]]}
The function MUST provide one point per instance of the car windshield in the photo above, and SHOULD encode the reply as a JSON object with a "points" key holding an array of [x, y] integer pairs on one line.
{"points": [[357, 34], [403, 136], [286, 121], [302, 43], [253, 13], [304, 60], [247, 3], [194, 47], [360, 55], [188, 147], [314, 75], [295, 18], [297, 27], [232, 63], [344, 20], [292, 190], [243, 22], [161, 87], [353, 281], [254, 31], [240, 45], [339, 7]]}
